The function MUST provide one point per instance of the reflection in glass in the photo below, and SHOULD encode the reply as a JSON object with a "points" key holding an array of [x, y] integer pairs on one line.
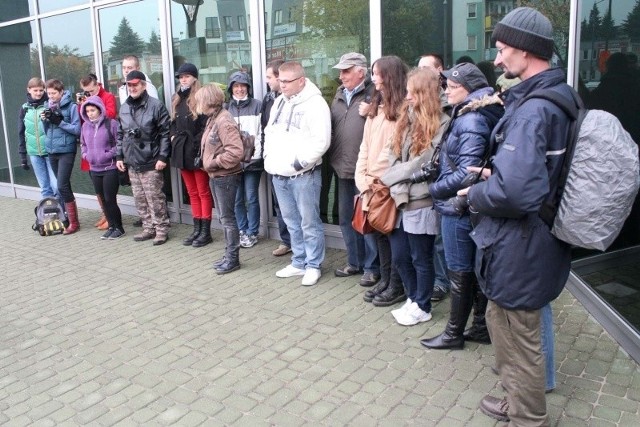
{"points": [[18, 62], [213, 36], [68, 56], [131, 29], [51, 5], [609, 77], [329, 31]]}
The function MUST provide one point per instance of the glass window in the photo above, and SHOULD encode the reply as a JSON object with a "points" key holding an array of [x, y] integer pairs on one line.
{"points": [[413, 41], [328, 33], [132, 29], [472, 42], [472, 10], [19, 62], [51, 5], [241, 23], [228, 23], [212, 30], [10, 10]]}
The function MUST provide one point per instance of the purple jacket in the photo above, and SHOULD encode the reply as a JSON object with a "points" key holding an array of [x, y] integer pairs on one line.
{"points": [[98, 147]]}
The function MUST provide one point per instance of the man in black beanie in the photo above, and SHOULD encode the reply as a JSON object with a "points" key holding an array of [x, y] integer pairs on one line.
{"points": [[521, 266]]}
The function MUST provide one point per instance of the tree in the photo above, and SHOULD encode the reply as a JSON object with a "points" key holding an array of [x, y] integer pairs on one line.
{"points": [[153, 46], [323, 19], [631, 25], [404, 28], [558, 13], [126, 41], [608, 29], [63, 64]]}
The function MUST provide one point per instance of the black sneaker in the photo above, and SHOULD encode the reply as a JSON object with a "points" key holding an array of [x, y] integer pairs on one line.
{"points": [[107, 233], [138, 223], [438, 294], [117, 233]]}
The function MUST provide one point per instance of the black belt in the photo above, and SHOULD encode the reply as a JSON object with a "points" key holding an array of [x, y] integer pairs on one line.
{"points": [[295, 176]]}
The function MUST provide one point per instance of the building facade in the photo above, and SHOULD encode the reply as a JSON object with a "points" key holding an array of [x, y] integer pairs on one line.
{"points": [[597, 42]]}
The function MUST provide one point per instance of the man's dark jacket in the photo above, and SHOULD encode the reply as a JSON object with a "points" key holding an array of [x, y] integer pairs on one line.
{"points": [[520, 265]]}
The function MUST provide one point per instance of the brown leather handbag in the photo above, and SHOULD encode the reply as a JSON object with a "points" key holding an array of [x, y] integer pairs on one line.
{"points": [[382, 208], [359, 220]]}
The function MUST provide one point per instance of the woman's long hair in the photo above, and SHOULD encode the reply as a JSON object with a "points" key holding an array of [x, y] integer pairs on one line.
{"points": [[394, 74], [423, 119], [191, 101], [209, 99]]}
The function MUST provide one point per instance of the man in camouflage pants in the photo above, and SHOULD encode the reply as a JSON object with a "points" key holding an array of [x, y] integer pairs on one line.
{"points": [[143, 145]]}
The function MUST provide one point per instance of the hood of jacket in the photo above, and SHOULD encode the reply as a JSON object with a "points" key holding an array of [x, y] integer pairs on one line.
{"points": [[239, 77], [95, 101]]}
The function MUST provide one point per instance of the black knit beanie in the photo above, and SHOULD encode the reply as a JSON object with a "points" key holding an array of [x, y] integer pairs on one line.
{"points": [[526, 29]]}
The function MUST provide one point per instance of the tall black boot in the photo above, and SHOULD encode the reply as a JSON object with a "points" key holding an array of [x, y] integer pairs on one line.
{"points": [[461, 302], [478, 331], [197, 223], [393, 294], [204, 238], [231, 253]]}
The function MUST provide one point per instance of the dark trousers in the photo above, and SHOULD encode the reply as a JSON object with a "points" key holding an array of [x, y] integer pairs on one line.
{"points": [[413, 256], [62, 165], [106, 185], [224, 189]]}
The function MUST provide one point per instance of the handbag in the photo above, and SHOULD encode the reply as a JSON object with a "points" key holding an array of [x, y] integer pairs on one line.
{"points": [[359, 218], [123, 178], [382, 208]]}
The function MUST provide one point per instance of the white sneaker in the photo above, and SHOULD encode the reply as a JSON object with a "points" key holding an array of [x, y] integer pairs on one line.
{"points": [[311, 277], [402, 310], [413, 316], [290, 271]]}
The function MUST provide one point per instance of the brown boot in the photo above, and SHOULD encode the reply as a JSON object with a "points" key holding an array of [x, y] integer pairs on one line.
{"points": [[72, 213], [102, 223]]}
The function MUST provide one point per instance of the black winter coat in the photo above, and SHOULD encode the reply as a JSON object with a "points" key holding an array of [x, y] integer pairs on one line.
{"points": [[151, 118], [466, 144], [186, 134]]}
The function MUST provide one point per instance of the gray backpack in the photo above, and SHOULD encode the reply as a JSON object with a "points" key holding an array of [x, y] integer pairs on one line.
{"points": [[599, 179]]}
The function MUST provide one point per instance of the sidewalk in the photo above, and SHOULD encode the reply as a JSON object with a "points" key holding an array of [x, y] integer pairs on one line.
{"points": [[122, 333]]}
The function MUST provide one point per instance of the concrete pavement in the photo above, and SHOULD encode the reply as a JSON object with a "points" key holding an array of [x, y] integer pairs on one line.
{"points": [[122, 333]]}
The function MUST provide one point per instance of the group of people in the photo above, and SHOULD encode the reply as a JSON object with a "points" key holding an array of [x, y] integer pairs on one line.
{"points": [[472, 166], [462, 163]]}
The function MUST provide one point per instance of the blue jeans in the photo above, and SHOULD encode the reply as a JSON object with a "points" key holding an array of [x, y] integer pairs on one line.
{"points": [[62, 165], [283, 231], [548, 346], [248, 216], [459, 249], [362, 251], [442, 280], [44, 174], [412, 254], [224, 190], [299, 201]]}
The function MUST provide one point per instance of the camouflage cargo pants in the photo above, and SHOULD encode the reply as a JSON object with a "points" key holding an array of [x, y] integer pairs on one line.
{"points": [[151, 202]]}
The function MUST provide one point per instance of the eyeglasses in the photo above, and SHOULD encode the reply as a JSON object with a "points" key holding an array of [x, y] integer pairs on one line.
{"points": [[286, 82], [453, 87], [501, 49]]}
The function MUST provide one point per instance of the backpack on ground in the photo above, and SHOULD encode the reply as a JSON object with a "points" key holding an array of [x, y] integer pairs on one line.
{"points": [[599, 179], [50, 217]]}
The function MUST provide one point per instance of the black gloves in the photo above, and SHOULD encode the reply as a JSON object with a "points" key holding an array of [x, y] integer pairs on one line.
{"points": [[55, 118]]}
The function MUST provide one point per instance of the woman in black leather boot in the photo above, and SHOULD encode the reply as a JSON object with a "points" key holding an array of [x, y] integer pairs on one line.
{"points": [[475, 112]]}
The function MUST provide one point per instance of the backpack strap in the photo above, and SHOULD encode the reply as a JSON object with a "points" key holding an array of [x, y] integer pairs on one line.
{"points": [[576, 112]]}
